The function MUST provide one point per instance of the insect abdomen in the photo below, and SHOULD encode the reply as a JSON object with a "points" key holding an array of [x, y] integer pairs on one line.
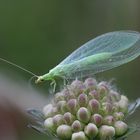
{"points": [[79, 65]]}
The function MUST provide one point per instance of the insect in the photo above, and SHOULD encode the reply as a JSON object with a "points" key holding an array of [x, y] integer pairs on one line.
{"points": [[100, 54]]}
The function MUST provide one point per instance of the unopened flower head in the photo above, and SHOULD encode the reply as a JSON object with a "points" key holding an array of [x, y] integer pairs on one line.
{"points": [[86, 110]]}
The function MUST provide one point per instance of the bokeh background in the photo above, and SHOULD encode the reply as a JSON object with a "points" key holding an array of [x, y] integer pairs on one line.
{"points": [[38, 34]]}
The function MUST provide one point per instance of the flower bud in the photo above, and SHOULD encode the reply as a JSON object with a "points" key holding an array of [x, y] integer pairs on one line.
{"points": [[73, 106], [103, 89], [68, 118], [106, 132], [64, 132], [91, 130], [109, 120], [104, 84], [115, 96], [83, 115], [82, 100], [77, 126], [97, 119], [93, 95], [68, 94], [118, 116], [49, 110], [58, 119], [62, 106], [123, 104], [48, 106], [120, 128], [90, 83], [107, 108], [59, 97], [79, 136], [94, 106], [86, 111], [49, 124], [78, 86]]}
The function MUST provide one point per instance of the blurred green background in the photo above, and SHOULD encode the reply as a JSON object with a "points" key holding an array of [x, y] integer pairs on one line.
{"points": [[38, 34]]}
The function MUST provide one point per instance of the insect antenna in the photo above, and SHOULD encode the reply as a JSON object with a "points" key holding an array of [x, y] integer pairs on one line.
{"points": [[15, 65]]}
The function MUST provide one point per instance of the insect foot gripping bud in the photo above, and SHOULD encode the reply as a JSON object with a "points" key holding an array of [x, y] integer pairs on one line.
{"points": [[87, 110]]}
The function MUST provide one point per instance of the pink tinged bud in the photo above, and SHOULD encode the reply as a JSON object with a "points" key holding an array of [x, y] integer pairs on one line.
{"points": [[109, 120], [58, 119], [49, 110], [106, 132], [97, 119], [70, 96], [93, 95], [62, 106], [49, 125], [94, 106], [82, 100], [123, 104], [73, 106], [107, 108], [120, 128], [91, 130], [104, 84], [78, 86], [77, 126], [59, 97], [115, 96], [119, 116], [68, 93], [64, 132], [102, 90], [79, 136], [83, 115], [90, 83], [68, 118]]}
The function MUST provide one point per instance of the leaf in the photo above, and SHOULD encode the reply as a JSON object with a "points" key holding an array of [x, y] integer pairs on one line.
{"points": [[36, 114], [133, 106], [37, 128]]}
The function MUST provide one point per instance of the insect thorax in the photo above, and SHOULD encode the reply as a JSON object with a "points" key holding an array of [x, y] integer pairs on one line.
{"points": [[57, 72]]}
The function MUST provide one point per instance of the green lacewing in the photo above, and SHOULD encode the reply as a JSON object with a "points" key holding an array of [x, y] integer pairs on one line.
{"points": [[100, 54]]}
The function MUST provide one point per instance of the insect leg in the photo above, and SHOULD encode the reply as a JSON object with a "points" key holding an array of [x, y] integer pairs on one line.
{"points": [[53, 84]]}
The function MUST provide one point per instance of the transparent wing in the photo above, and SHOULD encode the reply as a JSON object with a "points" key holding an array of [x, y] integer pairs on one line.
{"points": [[84, 67], [113, 42], [102, 53]]}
